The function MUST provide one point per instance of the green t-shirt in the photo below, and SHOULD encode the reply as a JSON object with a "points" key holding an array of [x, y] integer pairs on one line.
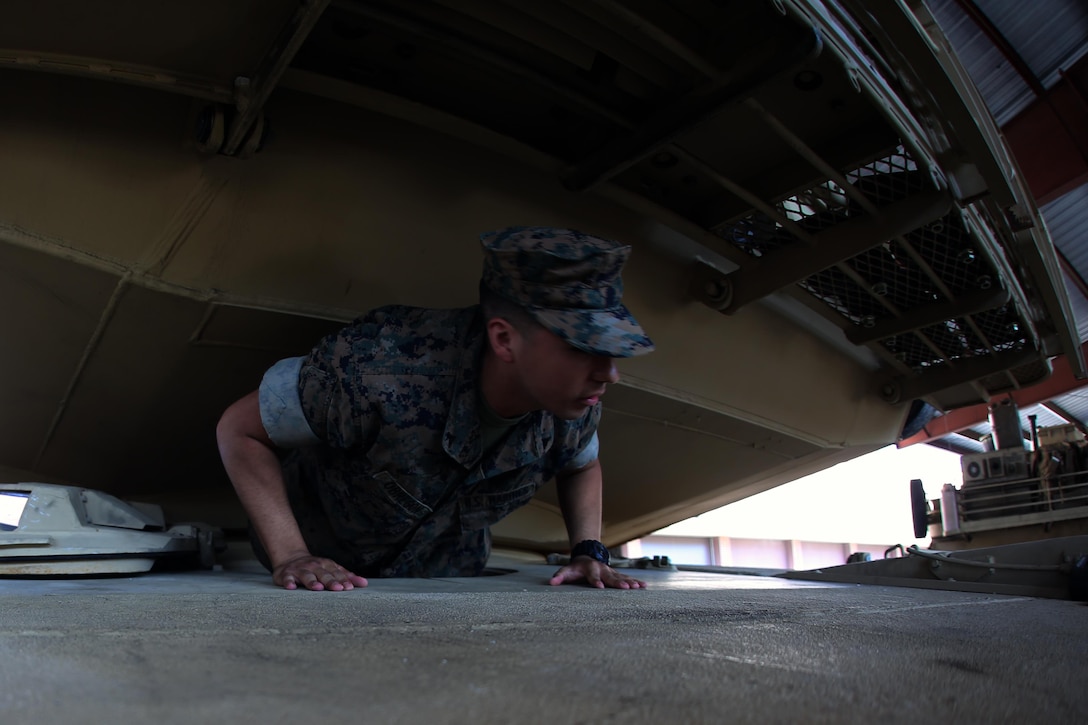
{"points": [[492, 425]]}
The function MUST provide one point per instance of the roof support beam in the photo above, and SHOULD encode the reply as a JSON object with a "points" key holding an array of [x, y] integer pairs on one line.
{"points": [[1060, 381], [1063, 413], [950, 445], [1050, 137], [1002, 44]]}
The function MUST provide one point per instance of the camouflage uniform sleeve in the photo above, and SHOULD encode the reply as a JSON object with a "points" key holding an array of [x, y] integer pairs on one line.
{"points": [[331, 393], [580, 446]]}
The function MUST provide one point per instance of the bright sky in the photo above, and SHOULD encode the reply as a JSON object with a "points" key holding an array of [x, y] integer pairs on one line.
{"points": [[863, 501], [11, 508]]}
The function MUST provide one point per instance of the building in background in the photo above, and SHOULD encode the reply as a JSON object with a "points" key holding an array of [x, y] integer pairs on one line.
{"points": [[724, 551], [815, 521]]}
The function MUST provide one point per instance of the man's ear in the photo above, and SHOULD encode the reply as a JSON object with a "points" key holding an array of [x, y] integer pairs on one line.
{"points": [[503, 338]]}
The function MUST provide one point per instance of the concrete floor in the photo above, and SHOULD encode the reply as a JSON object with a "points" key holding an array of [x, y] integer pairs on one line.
{"points": [[227, 646]]}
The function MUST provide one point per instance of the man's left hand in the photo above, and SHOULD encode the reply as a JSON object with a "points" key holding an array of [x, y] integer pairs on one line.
{"points": [[594, 574]]}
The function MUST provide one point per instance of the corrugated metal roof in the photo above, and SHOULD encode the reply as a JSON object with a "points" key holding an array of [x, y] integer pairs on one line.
{"points": [[1048, 34], [1076, 404], [1005, 92], [1080, 307], [1067, 221]]}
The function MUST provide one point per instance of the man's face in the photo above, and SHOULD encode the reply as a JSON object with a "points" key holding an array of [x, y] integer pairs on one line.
{"points": [[559, 378]]}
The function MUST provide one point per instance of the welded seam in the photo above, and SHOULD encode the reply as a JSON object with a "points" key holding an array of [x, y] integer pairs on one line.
{"points": [[180, 228], [60, 249]]}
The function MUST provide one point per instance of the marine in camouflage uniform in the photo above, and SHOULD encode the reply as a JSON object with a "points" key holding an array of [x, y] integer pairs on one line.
{"points": [[394, 462]]}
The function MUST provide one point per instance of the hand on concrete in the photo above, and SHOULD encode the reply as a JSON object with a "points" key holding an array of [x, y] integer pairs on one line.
{"points": [[594, 574], [315, 574]]}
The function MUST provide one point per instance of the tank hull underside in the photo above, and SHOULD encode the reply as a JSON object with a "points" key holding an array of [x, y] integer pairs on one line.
{"points": [[807, 257]]}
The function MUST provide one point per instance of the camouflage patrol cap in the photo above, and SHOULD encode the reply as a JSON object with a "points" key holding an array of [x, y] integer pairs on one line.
{"points": [[567, 281]]}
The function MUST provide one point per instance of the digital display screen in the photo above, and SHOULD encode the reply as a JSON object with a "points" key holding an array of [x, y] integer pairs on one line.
{"points": [[11, 509]]}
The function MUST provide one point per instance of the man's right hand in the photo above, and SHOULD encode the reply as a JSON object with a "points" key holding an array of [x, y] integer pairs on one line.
{"points": [[250, 459], [315, 574]]}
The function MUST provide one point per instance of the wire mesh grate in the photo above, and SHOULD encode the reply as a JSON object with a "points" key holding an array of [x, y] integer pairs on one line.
{"points": [[888, 270], [844, 295], [899, 167], [827, 204], [892, 274], [1003, 328], [950, 251], [818, 208], [923, 267], [953, 339], [757, 235], [909, 350]]}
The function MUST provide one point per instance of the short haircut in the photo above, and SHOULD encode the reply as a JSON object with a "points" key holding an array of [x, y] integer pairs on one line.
{"points": [[493, 306]]}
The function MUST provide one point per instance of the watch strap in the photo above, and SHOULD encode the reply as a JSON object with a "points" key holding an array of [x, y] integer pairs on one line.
{"points": [[593, 549]]}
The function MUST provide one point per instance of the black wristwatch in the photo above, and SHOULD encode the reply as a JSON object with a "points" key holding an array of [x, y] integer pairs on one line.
{"points": [[593, 549]]}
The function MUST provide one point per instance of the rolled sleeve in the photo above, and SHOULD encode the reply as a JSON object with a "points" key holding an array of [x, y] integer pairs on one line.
{"points": [[587, 455], [281, 410]]}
